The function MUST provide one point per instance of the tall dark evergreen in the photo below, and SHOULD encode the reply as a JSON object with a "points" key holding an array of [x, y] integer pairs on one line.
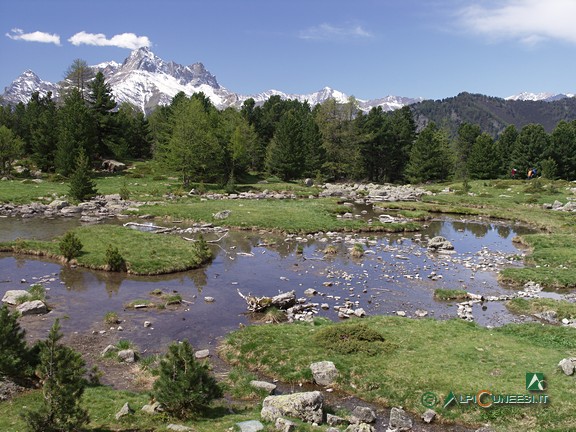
{"points": [[286, 153], [82, 187], [102, 107], [430, 157], [530, 148], [10, 149], [563, 151], [467, 134], [43, 115], [16, 359], [481, 161], [75, 132], [503, 148]]}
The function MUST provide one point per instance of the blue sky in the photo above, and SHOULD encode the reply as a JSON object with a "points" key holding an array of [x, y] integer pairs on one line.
{"points": [[366, 48]]}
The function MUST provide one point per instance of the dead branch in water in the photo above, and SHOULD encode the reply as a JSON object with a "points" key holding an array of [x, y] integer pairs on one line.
{"points": [[258, 304]]}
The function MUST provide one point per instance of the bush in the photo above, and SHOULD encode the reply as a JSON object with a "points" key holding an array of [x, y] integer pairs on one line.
{"points": [[124, 191], [352, 339], [70, 246], [184, 386], [114, 260], [61, 370], [16, 359], [82, 186]]}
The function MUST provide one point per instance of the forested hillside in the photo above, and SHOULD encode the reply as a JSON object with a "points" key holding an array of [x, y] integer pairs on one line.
{"points": [[493, 114]]}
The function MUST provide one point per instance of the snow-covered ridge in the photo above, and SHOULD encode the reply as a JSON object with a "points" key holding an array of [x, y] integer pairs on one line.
{"points": [[145, 81], [543, 96]]}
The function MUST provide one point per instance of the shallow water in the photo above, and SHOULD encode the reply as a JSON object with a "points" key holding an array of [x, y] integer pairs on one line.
{"points": [[392, 276]]}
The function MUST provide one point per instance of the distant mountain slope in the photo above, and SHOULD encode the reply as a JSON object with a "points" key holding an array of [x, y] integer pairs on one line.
{"points": [[146, 81], [493, 114]]}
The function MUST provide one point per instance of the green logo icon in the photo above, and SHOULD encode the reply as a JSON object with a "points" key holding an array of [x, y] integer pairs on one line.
{"points": [[535, 381], [449, 399], [429, 399]]}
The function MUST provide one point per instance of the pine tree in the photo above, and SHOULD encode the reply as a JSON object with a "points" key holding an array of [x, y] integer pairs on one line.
{"points": [[184, 386], [82, 186], [10, 149], [15, 356], [62, 372], [429, 157]]}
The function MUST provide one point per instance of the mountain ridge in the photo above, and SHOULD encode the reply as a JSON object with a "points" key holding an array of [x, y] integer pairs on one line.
{"points": [[146, 81]]}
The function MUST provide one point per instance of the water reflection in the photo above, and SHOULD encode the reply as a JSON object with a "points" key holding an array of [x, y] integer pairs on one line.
{"points": [[394, 274]]}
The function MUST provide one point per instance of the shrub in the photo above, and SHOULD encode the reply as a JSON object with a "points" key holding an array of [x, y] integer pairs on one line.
{"points": [[70, 246], [111, 318], [114, 260], [352, 339], [184, 386], [61, 370], [16, 359], [124, 191]]}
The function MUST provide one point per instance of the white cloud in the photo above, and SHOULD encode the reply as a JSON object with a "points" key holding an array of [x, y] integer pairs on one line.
{"points": [[124, 40], [528, 21], [331, 32], [37, 36]]}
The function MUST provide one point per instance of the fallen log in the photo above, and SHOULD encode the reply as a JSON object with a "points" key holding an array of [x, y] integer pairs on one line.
{"points": [[259, 304]]}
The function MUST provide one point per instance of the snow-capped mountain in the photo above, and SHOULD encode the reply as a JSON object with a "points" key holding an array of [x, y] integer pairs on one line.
{"points": [[544, 96], [145, 80], [22, 88]]}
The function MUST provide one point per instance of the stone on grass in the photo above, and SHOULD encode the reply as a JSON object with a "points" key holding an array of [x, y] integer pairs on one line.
{"points": [[324, 372], [284, 425], [568, 366], [263, 385], [124, 411], [127, 356], [250, 426], [108, 349], [153, 408], [306, 406]]}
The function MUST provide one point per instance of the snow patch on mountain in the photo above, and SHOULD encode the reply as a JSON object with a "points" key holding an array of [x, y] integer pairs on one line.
{"points": [[543, 96], [146, 81]]}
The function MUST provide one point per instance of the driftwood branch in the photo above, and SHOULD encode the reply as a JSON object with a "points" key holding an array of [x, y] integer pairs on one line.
{"points": [[207, 241], [258, 304]]}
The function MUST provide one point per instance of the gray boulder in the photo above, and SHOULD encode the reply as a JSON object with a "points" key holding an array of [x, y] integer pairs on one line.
{"points": [[34, 307], [360, 427], [11, 296], [222, 214], [399, 420], [153, 408], [306, 406], [334, 420], [363, 415], [440, 243], [127, 356], [568, 365], [263, 385], [324, 373], [179, 428], [250, 426], [284, 425], [124, 411]]}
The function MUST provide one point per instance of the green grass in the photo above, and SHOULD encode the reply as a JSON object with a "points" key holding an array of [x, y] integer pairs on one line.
{"points": [[552, 261], [296, 216], [103, 403], [145, 253], [419, 359], [563, 308], [450, 294]]}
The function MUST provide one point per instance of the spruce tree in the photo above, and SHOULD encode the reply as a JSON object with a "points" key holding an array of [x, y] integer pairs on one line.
{"points": [[15, 356], [184, 387], [62, 372], [82, 186]]}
